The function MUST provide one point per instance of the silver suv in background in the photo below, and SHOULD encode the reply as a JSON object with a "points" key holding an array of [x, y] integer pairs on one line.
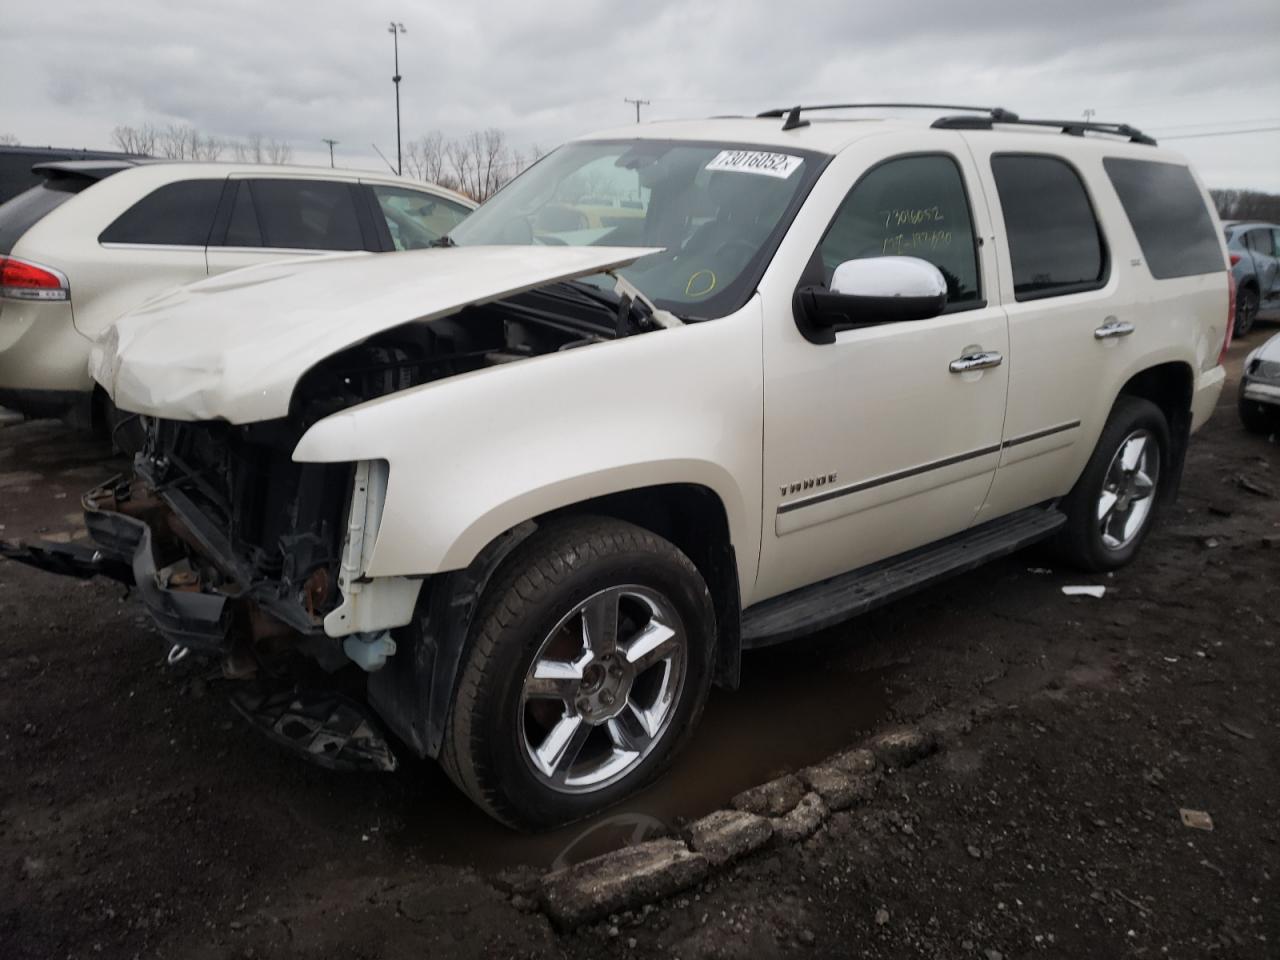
{"points": [[1254, 248], [99, 237]]}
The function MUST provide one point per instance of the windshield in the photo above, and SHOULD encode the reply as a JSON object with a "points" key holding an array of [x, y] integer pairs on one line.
{"points": [[717, 210]]}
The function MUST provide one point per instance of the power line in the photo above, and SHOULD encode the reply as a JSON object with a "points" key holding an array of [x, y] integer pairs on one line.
{"points": [[1220, 133], [1218, 123]]}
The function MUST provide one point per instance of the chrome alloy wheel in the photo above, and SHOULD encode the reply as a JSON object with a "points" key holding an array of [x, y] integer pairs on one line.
{"points": [[1128, 490], [602, 688]]}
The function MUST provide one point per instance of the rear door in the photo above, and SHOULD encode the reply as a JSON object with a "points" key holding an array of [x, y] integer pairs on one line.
{"points": [[155, 244], [1060, 289], [1262, 242], [269, 218]]}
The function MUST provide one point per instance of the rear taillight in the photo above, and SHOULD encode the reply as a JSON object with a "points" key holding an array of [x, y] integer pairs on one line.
{"points": [[20, 280], [1235, 258], [1231, 317]]}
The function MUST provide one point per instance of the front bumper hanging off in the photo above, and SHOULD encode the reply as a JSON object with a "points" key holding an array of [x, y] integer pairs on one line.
{"points": [[120, 547]]}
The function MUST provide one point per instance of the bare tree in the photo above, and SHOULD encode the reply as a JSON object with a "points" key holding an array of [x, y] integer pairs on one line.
{"points": [[1236, 204], [279, 151], [8, 140], [141, 140], [426, 157], [249, 150], [462, 166]]}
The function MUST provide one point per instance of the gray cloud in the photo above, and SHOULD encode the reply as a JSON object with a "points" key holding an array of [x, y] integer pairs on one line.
{"points": [[304, 70]]}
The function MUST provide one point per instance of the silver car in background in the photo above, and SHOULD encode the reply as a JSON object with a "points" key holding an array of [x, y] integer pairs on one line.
{"points": [[1254, 248]]}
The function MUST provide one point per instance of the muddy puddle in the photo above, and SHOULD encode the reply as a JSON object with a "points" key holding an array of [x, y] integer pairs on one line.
{"points": [[796, 706], [44, 470]]}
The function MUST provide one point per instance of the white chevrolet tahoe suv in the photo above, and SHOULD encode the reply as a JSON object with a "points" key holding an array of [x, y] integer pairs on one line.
{"points": [[679, 391]]}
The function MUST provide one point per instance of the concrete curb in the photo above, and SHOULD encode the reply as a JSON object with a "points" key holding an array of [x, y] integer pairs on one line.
{"points": [[786, 810]]}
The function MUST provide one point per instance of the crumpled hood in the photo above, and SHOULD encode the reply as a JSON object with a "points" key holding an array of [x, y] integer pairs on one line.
{"points": [[234, 346]]}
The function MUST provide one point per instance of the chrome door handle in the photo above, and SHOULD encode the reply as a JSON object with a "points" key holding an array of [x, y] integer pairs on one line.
{"points": [[975, 361], [1112, 328]]}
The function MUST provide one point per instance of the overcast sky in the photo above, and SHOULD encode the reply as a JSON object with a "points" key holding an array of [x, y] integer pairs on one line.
{"points": [[301, 70]]}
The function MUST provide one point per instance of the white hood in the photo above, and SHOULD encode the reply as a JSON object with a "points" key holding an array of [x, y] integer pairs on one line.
{"points": [[232, 347]]}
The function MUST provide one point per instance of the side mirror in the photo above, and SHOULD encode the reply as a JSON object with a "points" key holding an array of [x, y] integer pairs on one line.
{"points": [[873, 290]]}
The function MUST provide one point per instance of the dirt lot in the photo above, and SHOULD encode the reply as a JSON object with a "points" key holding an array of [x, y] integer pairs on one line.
{"points": [[140, 818]]}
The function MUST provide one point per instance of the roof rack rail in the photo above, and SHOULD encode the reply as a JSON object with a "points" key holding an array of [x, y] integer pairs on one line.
{"points": [[1074, 128], [793, 113]]}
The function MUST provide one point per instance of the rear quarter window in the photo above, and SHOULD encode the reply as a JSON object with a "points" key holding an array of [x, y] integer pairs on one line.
{"points": [[177, 214], [1169, 217]]}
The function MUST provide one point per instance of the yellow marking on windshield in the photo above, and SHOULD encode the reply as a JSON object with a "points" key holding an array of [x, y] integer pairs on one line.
{"points": [[709, 281]]}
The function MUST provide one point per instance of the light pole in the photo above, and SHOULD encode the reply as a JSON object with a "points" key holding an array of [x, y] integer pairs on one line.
{"points": [[395, 30], [331, 144]]}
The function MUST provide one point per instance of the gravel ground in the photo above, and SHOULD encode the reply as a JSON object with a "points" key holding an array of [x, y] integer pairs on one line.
{"points": [[138, 818]]}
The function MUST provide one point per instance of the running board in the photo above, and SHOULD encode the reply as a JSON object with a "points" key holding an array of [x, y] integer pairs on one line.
{"points": [[823, 604]]}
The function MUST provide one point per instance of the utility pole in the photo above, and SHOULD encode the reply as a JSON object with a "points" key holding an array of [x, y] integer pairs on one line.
{"points": [[1089, 114], [332, 144], [637, 103], [395, 30]]}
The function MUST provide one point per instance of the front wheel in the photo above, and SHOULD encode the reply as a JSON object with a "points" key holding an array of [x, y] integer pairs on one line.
{"points": [[588, 668], [1112, 507]]}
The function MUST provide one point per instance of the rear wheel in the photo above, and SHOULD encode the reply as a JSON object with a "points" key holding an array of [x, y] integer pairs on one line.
{"points": [[1114, 503], [1246, 310], [588, 668]]}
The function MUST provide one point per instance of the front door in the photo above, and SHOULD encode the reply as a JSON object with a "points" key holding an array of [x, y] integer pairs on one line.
{"points": [[879, 442]]}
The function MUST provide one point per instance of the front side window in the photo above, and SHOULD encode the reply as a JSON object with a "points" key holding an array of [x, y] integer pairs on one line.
{"points": [[177, 214], [417, 219], [716, 210], [912, 206], [294, 214], [1260, 242], [1169, 216], [1055, 243]]}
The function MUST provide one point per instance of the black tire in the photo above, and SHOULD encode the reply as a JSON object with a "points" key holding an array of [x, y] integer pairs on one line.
{"points": [[1080, 542], [1246, 310], [1258, 417], [545, 578]]}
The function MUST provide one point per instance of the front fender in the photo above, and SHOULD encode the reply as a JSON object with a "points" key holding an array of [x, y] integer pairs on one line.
{"points": [[475, 455]]}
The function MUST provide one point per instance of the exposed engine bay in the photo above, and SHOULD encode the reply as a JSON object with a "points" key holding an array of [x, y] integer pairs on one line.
{"points": [[252, 525]]}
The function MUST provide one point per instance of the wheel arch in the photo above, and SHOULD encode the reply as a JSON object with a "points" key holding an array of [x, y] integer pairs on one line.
{"points": [[1169, 386], [433, 647]]}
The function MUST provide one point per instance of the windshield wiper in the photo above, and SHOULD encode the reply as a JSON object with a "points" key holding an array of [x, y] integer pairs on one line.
{"points": [[444, 240]]}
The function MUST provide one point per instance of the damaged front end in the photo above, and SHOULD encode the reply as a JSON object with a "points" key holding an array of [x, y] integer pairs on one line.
{"points": [[259, 562]]}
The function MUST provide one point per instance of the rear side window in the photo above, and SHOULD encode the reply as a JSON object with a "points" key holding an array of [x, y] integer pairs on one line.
{"points": [[1055, 243], [177, 214], [296, 214], [1260, 242], [1169, 216], [912, 206], [28, 208]]}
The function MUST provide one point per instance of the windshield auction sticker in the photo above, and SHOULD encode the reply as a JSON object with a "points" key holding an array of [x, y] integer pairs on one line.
{"points": [[778, 165]]}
